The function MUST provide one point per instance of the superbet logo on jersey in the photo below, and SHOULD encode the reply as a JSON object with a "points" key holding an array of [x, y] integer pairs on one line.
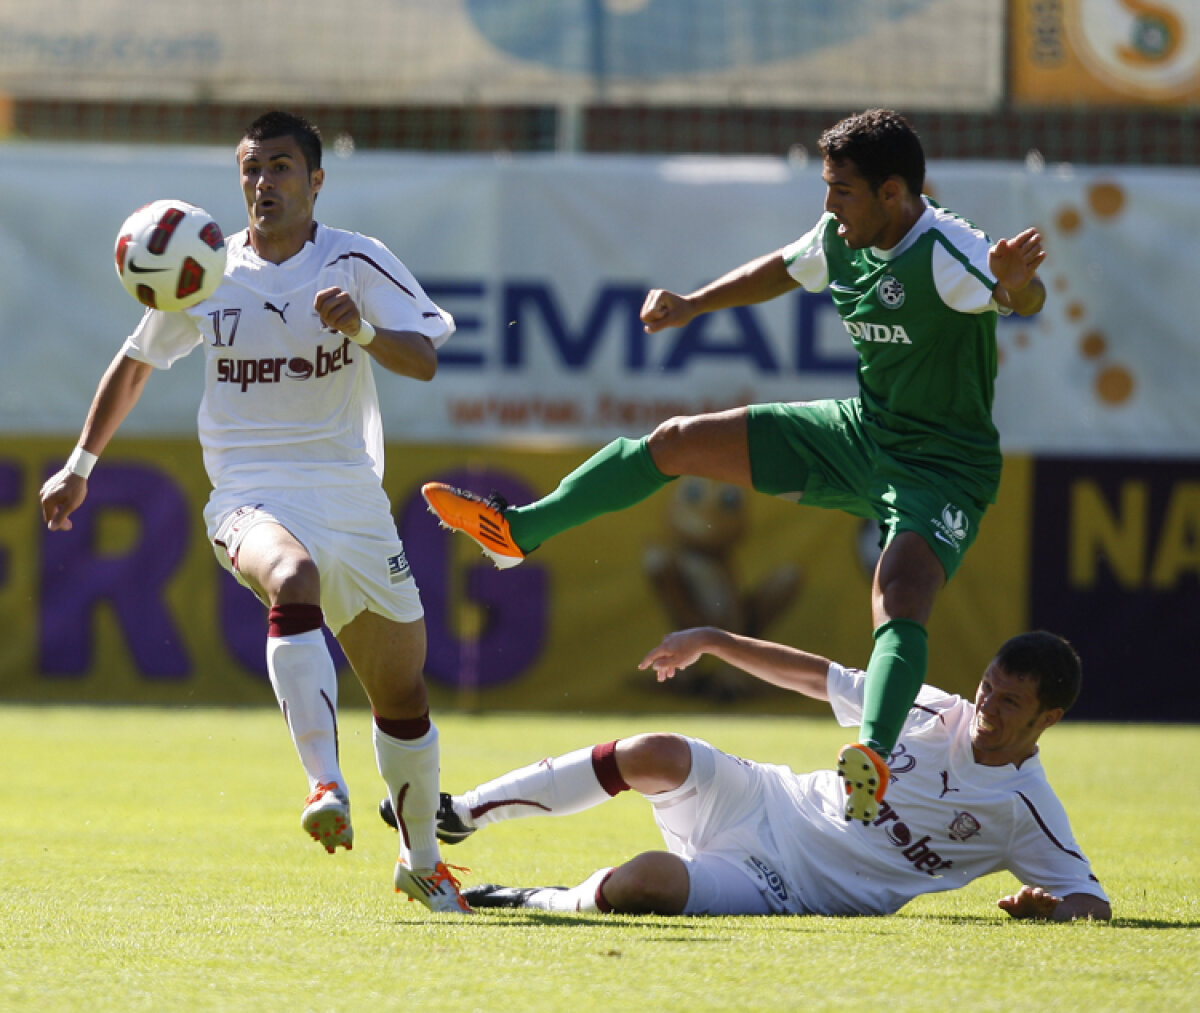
{"points": [[276, 369]]}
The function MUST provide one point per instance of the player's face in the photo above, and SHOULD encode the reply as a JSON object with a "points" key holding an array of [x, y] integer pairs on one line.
{"points": [[863, 214], [1008, 718], [278, 189]]}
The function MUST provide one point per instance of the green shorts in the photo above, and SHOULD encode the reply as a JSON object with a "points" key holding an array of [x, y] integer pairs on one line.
{"points": [[821, 452]]}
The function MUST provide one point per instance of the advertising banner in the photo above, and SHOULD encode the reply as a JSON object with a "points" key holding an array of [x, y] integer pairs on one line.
{"points": [[544, 263], [1105, 53], [132, 605], [513, 52], [1116, 567]]}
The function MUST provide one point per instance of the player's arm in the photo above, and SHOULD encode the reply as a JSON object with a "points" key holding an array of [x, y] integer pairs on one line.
{"points": [[1036, 903], [1014, 263], [407, 353], [757, 281], [777, 664], [117, 393]]}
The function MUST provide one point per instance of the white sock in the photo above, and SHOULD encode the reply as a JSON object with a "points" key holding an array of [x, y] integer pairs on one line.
{"points": [[305, 684], [578, 898], [409, 767], [553, 787]]}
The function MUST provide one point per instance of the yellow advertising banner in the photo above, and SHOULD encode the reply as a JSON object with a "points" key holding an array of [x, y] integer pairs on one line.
{"points": [[131, 606], [1105, 52]]}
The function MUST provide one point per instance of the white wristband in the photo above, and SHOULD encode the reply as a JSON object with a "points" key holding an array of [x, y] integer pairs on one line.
{"points": [[81, 462], [365, 335]]}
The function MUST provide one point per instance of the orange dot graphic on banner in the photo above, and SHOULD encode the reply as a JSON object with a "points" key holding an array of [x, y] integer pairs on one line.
{"points": [[1093, 345], [1106, 199], [1114, 385], [1069, 220]]}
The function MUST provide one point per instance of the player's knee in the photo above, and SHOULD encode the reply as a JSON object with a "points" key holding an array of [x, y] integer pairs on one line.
{"points": [[669, 446], [654, 762], [654, 882], [294, 578]]}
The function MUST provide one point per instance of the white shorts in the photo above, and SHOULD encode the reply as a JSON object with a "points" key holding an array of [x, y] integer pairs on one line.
{"points": [[350, 534], [716, 822]]}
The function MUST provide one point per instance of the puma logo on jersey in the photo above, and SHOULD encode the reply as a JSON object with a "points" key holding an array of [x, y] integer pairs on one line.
{"points": [[879, 334], [275, 309]]}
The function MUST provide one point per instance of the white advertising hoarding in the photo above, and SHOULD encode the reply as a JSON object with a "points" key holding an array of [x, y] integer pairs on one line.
{"points": [[930, 54], [544, 262]]}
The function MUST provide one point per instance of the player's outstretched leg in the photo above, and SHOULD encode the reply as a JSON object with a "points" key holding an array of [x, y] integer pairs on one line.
{"points": [[615, 477]]}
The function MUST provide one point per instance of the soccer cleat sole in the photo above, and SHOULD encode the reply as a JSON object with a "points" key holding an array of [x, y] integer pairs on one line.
{"points": [[866, 777], [329, 826]]}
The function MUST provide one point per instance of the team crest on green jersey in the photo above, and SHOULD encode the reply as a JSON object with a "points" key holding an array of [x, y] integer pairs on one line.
{"points": [[891, 292]]}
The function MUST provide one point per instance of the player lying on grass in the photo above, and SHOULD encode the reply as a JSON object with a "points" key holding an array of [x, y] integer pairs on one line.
{"points": [[968, 798]]}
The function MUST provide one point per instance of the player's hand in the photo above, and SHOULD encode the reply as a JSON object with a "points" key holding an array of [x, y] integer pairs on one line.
{"points": [[1014, 262], [61, 496], [338, 311], [1030, 902], [663, 309], [675, 651]]}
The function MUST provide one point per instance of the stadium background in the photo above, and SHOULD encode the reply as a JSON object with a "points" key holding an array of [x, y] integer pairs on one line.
{"points": [[538, 166]]}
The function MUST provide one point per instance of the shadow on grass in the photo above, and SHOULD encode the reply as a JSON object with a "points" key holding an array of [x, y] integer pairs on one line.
{"points": [[689, 926]]}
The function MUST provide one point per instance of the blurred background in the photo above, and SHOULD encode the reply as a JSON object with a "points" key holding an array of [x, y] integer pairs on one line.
{"points": [[539, 166]]}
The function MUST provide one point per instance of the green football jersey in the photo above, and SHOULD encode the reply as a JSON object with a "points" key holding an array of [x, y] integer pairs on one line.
{"points": [[923, 321]]}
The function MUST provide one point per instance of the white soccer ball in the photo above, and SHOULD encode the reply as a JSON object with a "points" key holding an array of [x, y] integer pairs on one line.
{"points": [[170, 255]]}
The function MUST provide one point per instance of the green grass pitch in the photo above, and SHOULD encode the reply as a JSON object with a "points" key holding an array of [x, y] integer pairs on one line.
{"points": [[151, 859]]}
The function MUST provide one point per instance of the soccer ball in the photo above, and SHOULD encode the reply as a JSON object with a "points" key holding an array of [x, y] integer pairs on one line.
{"points": [[170, 255]]}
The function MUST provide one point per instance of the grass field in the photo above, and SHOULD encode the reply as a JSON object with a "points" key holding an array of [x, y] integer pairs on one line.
{"points": [[151, 860]]}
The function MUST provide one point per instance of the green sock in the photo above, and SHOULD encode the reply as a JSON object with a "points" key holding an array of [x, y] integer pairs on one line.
{"points": [[616, 477], [895, 675]]}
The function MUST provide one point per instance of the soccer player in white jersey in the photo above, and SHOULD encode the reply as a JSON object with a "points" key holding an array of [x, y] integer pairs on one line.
{"points": [[293, 445], [968, 797]]}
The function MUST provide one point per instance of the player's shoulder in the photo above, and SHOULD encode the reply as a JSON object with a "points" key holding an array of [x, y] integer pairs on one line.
{"points": [[331, 240], [952, 228]]}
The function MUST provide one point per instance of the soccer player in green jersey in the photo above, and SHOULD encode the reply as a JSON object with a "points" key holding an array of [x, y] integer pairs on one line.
{"points": [[918, 290]]}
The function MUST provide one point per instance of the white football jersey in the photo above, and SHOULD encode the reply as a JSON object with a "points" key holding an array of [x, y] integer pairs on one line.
{"points": [[945, 820], [288, 402]]}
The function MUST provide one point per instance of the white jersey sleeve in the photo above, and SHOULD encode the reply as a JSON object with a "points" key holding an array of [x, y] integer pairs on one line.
{"points": [[162, 339], [846, 686], [960, 267], [1043, 851], [805, 258], [387, 293]]}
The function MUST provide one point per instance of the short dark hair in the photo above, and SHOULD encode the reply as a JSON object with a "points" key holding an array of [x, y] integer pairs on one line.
{"points": [[880, 143], [1050, 661], [280, 124]]}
